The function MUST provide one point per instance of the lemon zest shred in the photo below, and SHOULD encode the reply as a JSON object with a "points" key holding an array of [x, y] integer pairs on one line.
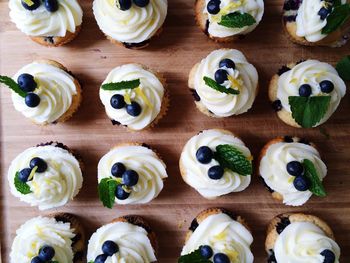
{"points": [[140, 93], [236, 82], [291, 179], [28, 2], [31, 175], [293, 81], [232, 254], [127, 98]]}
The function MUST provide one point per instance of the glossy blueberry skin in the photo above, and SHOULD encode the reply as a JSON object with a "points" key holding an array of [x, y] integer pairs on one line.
{"points": [[221, 258], [206, 251], [301, 183], [228, 63], [26, 82], [40, 163], [305, 90], [216, 172], [141, 3], [221, 76], [46, 253], [125, 4], [24, 174], [204, 155], [130, 178], [36, 260], [51, 5], [133, 109], [213, 7], [326, 86], [109, 248], [323, 13], [117, 101], [101, 258], [120, 193], [118, 169], [32, 100], [36, 4], [329, 256], [295, 168]]}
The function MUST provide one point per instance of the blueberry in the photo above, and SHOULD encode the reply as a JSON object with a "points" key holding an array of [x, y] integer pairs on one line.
{"points": [[118, 169], [133, 109], [46, 253], [40, 163], [301, 183], [32, 100], [221, 258], [329, 256], [100, 258], [204, 155], [36, 260], [216, 172], [109, 248], [26, 82], [327, 86], [206, 251], [117, 101], [24, 174], [220, 76], [51, 5], [141, 3], [228, 63], [213, 7], [120, 193], [305, 90], [295, 168], [35, 5], [323, 13], [130, 178], [125, 4]]}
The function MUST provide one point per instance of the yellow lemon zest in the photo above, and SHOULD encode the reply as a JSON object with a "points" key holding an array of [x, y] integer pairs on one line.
{"points": [[226, 10], [319, 74], [126, 189], [232, 254], [111, 2], [36, 188], [140, 93], [221, 236], [237, 83], [291, 179], [293, 81], [306, 80], [127, 98], [28, 2], [31, 175], [55, 165]]}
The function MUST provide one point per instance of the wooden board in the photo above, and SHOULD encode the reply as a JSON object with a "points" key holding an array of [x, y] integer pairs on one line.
{"points": [[180, 46]]}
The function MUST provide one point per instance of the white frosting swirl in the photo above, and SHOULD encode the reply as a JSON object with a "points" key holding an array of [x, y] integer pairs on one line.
{"points": [[222, 104], [223, 235], [253, 7], [151, 87], [311, 72], [38, 232], [41, 22], [55, 187], [273, 168], [151, 171], [56, 89], [302, 242], [132, 26], [196, 174], [133, 242]]}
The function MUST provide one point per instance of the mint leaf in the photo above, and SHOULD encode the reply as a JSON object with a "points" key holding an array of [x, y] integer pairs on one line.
{"points": [[316, 186], [131, 84], [230, 157], [214, 85], [91, 261], [106, 191], [308, 111], [337, 18], [237, 20], [12, 85], [343, 68], [194, 257], [21, 187]]}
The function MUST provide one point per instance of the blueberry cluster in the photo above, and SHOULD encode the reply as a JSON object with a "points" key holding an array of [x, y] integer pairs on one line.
{"points": [[326, 86], [295, 168], [133, 109], [221, 74], [326, 9], [126, 4], [129, 178], [35, 162], [207, 252], [204, 155], [109, 248], [46, 253], [213, 7], [329, 256], [50, 5], [27, 83]]}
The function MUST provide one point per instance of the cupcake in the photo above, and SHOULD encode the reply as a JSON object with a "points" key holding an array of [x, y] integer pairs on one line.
{"points": [[316, 22], [292, 170], [216, 162], [130, 173], [224, 83], [307, 93], [50, 23], [56, 238], [134, 96], [216, 235], [47, 176], [131, 24], [226, 20], [125, 239], [299, 238]]}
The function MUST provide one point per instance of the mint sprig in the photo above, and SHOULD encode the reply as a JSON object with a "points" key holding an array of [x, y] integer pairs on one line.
{"points": [[316, 186], [343, 68], [21, 187], [237, 20], [230, 157], [308, 111], [214, 85], [106, 191], [194, 257], [338, 17], [12, 85], [130, 84]]}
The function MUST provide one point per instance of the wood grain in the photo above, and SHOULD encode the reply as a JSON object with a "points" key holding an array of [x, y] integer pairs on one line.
{"points": [[180, 46]]}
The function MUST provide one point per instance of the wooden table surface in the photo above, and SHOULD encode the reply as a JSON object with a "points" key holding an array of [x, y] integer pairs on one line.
{"points": [[181, 45]]}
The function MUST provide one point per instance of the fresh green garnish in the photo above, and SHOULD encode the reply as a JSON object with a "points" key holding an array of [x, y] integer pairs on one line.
{"points": [[338, 17], [21, 187], [316, 186], [343, 68], [194, 257], [308, 111], [106, 191], [91, 261], [237, 20], [214, 85], [131, 84], [230, 157], [12, 85]]}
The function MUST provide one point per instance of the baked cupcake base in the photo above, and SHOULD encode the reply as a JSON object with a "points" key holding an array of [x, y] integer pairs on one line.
{"points": [[52, 41]]}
